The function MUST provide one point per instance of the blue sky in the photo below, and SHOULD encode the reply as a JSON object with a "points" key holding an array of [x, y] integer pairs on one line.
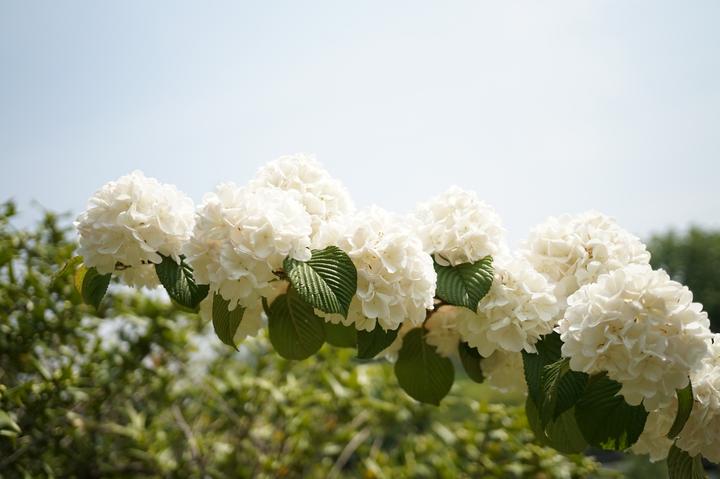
{"points": [[541, 107]]}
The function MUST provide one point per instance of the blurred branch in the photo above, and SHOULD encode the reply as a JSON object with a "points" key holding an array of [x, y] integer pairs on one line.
{"points": [[348, 451], [187, 431]]}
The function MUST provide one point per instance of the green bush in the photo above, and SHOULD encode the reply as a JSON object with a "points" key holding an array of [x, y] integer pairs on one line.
{"points": [[140, 389]]}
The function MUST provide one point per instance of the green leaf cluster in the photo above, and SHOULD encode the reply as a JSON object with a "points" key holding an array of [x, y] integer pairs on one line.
{"points": [[568, 404]]}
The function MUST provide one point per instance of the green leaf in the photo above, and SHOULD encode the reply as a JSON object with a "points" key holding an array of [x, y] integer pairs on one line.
{"points": [[7, 422], [682, 466], [91, 285], [470, 359], [562, 388], [327, 281], [548, 352], [226, 322], [295, 331], [465, 284], [685, 405], [605, 419], [421, 371], [341, 336], [370, 343], [179, 282], [561, 433], [550, 347]]}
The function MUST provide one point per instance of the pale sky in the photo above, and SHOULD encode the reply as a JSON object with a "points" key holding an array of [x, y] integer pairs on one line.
{"points": [[542, 108]]}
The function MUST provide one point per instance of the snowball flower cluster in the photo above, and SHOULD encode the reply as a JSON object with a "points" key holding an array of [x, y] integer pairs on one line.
{"points": [[701, 433], [242, 236], [654, 441], [519, 308], [323, 197], [574, 250], [456, 227], [580, 275], [129, 223], [639, 326], [505, 371], [396, 278], [441, 332]]}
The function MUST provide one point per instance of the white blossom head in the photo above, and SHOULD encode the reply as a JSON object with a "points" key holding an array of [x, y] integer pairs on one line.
{"points": [[396, 278], [441, 333], [505, 372], [701, 434], [323, 197], [639, 326], [241, 238], [456, 227], [574, 250], [129, 223], [519, 308], [654, 441]]}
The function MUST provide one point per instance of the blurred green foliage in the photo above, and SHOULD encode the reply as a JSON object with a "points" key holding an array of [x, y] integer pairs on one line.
{"points": [[692, 258], [140, 389]]}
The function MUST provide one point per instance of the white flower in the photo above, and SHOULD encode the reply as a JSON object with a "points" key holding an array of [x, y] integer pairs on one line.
{"points": [[442, 330], [322, 196], [354, 317], [701, 434], [456, 227], [441, 333], [519, 308], [574, 250], [242, 236], [504, 371], [129, 223], [396, 278], [639, 326], [654, 441]]}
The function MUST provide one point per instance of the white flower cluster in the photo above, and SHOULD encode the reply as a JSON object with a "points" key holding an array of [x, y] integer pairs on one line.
{"points": [[441, 332], [581, 275], [701, 433], [574, 250], [456, 227], [505, 371], [654, 441], [323, 197], [129, 223], [242, 236], [396, 278], [519, 308], [639, 326]]}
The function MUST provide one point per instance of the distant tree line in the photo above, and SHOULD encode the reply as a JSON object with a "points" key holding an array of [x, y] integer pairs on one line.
{"points": [[692, 258]]}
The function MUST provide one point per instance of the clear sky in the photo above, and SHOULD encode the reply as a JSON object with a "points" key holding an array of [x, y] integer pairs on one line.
{"points": [[541, 107]]}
